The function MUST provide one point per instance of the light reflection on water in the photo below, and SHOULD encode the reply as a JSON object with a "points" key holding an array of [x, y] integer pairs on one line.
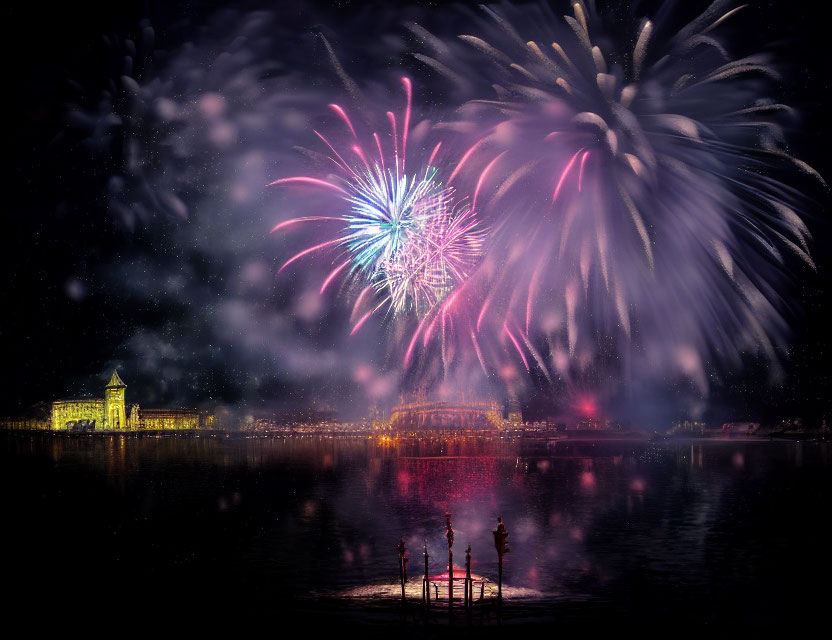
{"points": [[728, 529]]}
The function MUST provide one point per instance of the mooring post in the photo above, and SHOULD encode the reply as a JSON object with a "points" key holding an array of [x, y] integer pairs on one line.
{"points": [[426, 580], [449, 533], [471, 593], [402, 565], [468, 577], [500, 537]]}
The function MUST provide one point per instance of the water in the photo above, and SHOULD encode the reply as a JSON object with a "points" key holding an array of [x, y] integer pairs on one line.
{"points": [[673, 533]]}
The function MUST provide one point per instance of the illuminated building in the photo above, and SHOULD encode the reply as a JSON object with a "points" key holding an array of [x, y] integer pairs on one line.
{"points": [[110, 414], [427, 416], [743, 428], [688, 427], [153, 419], [78, 415], [115, 416], [515, 416], [36, 420]]}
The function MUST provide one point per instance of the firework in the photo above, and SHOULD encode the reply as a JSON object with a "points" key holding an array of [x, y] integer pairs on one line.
{"points": [[643, 197], [405, 237]]}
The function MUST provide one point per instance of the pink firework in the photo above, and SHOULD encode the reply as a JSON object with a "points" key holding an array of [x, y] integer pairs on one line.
{"points": [[401, 234]]}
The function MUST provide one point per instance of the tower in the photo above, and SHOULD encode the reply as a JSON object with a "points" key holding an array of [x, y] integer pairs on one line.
{"points": [[114, 413], [133, 420]]}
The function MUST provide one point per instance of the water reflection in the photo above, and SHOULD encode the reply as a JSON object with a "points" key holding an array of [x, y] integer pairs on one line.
{"points": [[634, 524]]}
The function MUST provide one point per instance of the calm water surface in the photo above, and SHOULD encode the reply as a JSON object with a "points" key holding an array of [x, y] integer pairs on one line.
{"points": [[687, 532]]}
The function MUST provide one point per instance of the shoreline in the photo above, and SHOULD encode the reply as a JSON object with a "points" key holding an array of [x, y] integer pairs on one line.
{"points": [[550, 438]]}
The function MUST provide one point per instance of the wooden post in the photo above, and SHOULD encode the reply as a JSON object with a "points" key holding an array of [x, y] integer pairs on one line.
{"points": [[449, 534], [468, 577], [500, 538], [450, 578], [500, 581], [402, 565], [426, 581]]}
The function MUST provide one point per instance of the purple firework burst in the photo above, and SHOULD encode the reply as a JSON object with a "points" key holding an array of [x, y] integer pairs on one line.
{"points": [[643, 196]]}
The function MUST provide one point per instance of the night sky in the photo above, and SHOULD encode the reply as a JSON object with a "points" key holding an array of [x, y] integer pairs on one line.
{"points": [[104, 269]]}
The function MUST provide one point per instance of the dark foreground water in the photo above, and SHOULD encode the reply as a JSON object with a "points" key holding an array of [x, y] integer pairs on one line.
{"points": [[667, 536]]}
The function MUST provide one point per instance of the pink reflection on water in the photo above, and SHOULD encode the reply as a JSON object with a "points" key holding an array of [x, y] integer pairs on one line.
{"points": [[447, 480], [588, 481], [403, 481]]}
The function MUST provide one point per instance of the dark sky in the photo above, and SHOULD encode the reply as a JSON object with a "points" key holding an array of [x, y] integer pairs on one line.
{"points": [[101, 270]]}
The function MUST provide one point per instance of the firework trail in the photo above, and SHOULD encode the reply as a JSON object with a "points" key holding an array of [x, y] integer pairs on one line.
{"points": [[642, 214], [643, 195], [400, 236]]}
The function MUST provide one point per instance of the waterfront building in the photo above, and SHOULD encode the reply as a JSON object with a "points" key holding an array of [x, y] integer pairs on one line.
{"points": [[688, 428], [35, 419], [109, 413], [90, 414], [423, 415], [742, 428]]}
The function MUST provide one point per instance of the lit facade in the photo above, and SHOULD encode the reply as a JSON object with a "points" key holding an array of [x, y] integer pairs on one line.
{"points": [[78, 414], [743, 428], [161, 419], [426, 416], [25, 424], [110, 414], [115, 417]]}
